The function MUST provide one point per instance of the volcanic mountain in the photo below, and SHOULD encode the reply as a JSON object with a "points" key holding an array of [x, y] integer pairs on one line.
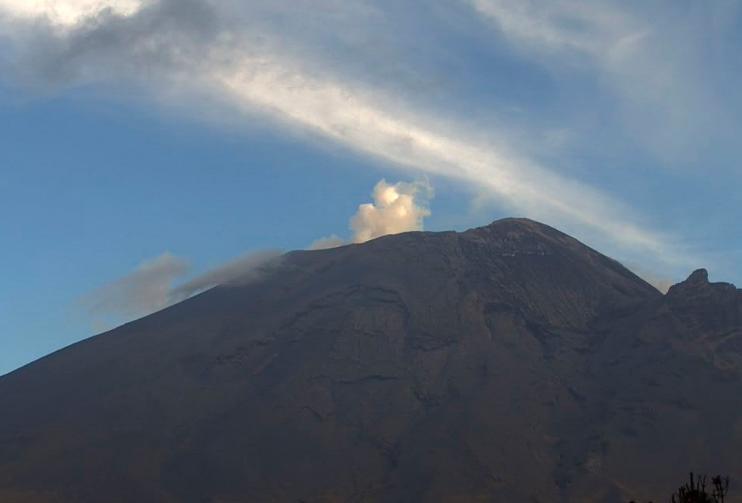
{"points": [[504, 363]]}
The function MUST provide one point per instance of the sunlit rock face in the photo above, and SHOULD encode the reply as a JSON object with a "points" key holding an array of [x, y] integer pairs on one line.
{"points": [[505, 363]]}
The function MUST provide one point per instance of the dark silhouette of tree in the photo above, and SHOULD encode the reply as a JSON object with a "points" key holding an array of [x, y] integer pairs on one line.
{"points": [[695, 490]]}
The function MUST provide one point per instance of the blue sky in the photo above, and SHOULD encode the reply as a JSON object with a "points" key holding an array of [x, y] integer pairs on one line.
{"points": [[146, 143]]}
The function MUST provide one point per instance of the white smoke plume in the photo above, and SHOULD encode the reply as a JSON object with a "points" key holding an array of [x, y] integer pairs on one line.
{"points": [[152, 285], [239, 271], [145, 290], [400, 207], [327, 242]]}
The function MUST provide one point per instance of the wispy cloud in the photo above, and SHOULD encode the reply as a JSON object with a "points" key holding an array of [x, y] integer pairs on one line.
{"points": [[353, 118], [594, 28], [196, 46], [647, 58]]}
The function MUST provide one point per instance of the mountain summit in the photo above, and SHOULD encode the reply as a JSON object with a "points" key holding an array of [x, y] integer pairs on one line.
{"points": [[505, 363]]}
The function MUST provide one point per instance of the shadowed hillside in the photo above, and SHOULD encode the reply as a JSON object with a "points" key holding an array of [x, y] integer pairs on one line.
{"points": [[504, 363]]}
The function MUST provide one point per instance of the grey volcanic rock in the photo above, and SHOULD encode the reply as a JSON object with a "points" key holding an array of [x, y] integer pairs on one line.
{"points": [[706, 306], [505, 363]]}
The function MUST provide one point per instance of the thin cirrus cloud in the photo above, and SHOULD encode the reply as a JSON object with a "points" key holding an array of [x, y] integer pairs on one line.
{"points": [[594, 28], [353, 118], [193, 46], [648, 59]]}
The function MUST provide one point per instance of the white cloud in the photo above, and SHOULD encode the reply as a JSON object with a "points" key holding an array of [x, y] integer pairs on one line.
{"points": [[67, 13], [400, 207], [353, 117], [255, 76]]}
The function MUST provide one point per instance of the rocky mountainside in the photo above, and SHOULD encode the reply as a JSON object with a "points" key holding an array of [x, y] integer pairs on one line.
{"points": [[504, 363]]}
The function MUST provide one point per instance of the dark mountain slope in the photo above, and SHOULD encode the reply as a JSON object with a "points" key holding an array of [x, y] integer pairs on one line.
{"points": [[505, 363]]}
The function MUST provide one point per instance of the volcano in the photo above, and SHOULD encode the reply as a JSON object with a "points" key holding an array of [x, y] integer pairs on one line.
{"points": [[504, 363]]}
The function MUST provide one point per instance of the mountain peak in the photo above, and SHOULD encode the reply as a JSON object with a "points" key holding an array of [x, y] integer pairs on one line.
{"points": [[514, 227], [523, 224], [696, 283], [522, 221], [716, 305], [698, 277], [490, 364], [523, 236]]}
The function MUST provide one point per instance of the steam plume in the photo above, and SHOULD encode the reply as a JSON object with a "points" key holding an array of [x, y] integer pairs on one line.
{"points": [[396, 208], [151, 286], [327, 242], [239, 271], [147, 289]]}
